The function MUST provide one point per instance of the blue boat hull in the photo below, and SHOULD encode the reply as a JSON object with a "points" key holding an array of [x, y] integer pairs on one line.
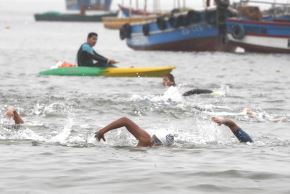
{"points": [[201, 35]]}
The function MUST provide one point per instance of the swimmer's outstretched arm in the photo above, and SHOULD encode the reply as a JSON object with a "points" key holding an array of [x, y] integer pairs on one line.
{"points": [[227, 122], [12, 113], [237, 131], [140, 134]]}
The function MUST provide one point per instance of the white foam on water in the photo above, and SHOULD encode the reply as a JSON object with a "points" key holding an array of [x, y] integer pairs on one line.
{"points": [[14, 132], [172, 94], [64, 134]]}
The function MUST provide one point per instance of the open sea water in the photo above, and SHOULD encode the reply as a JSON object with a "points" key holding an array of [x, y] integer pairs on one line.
{"points": [[55, 150]]}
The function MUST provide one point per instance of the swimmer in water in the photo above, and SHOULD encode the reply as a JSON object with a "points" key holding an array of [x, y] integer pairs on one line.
{"points": [[169, 80], [241, 135], [11, 113], [263, 116], [144, 139]]}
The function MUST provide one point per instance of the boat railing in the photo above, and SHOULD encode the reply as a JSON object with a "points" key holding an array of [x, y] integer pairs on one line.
{"points": [[277, 8]]}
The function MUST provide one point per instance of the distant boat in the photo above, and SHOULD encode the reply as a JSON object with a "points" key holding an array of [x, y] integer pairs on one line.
{"points": [[102, 6], [186, 31], [67, 17]]}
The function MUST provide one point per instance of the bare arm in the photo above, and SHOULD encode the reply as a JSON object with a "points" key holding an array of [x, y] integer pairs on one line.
{"points": [[227, 122], [140, 134], [237, 131], [12, 113]]}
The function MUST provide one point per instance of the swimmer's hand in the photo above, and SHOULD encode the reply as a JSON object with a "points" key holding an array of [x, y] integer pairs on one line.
{"points": [[100, 135], [220, 120], [10, 112], [225, 121]]}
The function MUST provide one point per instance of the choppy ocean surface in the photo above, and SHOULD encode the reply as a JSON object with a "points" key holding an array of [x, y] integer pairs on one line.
{"points": [[55, 152]]}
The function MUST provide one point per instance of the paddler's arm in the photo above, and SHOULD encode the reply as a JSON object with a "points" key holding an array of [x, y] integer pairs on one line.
{"points": [[140, 134], [103, 59], [12, 113], [241, 135], [88, 50]]}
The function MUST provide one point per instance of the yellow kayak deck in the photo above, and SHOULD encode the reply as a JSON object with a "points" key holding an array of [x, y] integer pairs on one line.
{"points": [[138, 71]]}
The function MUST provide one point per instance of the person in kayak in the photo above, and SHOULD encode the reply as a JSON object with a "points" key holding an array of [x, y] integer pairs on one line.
{"points": [[169, 80], [145, 140], [87, 56]]}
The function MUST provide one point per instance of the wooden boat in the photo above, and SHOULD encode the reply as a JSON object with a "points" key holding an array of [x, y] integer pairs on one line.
{"points": [[117, 23], [127, 11]]}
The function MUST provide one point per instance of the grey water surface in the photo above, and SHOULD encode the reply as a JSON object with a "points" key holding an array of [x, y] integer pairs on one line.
{"points": [[55, 151]]}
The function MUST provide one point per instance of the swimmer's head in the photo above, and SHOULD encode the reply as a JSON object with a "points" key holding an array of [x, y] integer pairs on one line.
{"points": [[166, 140], [168, 80]]}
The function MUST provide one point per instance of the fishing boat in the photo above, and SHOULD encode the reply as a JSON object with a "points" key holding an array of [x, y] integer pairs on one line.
{"points": [[183, 31], [127, 11], [101, 8], [116, 23], [129, 15], [255, 33], [67, 69]]}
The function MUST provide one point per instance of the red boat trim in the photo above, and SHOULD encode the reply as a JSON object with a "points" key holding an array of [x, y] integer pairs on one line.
{"points": [[266, 35], [259, 22], [257, 48], [196, 44]]}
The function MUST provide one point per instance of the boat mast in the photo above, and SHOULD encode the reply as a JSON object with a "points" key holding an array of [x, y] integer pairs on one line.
{"points": [[145, 5], [130, 10]]}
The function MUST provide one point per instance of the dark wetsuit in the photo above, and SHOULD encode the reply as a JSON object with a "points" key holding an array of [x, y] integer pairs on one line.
{"points": [[87, 56], [242, 136], [197, 91]]}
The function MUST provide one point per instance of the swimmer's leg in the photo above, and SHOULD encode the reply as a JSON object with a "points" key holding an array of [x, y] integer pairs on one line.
{"points": [[197, 91], [140, 134], [237, 131]]}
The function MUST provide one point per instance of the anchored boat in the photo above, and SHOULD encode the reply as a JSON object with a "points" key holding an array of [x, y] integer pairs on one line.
{"points": [[102, 8], [186, 31], [255, 33], [259, 36]]}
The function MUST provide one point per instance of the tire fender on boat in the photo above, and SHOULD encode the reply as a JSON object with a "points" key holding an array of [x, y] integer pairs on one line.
{"points": [[145, 29], [223, 3], [161, 23], [176, 22], [125, 31], [193, 17], [238, 31], [211, 18]]}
